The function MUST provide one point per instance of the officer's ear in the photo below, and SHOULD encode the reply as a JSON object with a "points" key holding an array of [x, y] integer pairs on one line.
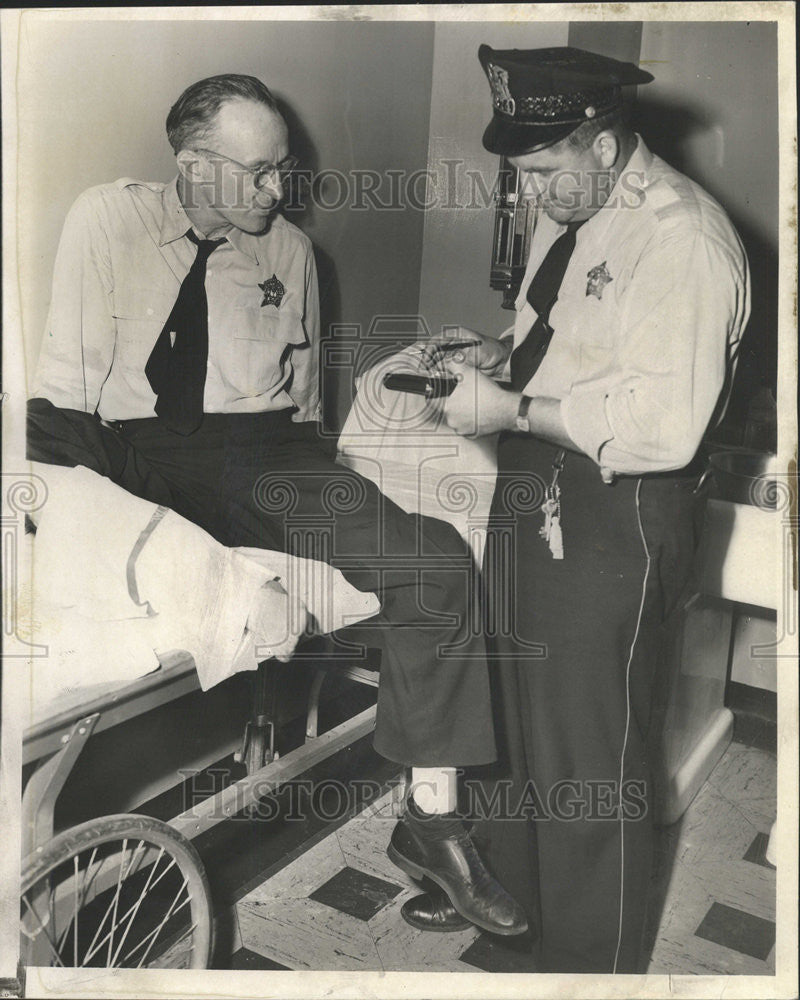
{"points": [[606, 149], [190, 165]]}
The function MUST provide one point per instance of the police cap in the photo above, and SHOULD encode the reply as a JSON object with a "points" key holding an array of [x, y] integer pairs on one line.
{"points": [[539, 96]]}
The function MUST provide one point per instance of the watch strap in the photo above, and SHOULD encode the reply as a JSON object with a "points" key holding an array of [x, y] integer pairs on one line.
{"points": [[522, 421]]}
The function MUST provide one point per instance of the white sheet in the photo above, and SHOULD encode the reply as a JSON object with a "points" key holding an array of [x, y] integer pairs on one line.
{"points": [[201, 596], [401, 442]]}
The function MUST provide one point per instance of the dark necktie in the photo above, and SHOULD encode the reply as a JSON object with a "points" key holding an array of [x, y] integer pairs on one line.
{"points": [[542, 294], [177, 371]]}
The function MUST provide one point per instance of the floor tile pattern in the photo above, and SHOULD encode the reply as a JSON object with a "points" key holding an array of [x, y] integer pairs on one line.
{"points": [[490, 953], [705, 860], [250, 960], [757, 851], [357, 893], [736, 929], [337, 906]]}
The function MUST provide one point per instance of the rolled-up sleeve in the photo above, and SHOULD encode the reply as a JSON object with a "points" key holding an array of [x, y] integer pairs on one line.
{"points": [[78, 344], [681, 317], [305, 389]]}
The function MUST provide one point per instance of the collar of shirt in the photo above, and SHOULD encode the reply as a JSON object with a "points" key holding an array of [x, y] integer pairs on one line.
{"points": [[175, 222], [633, 175]]}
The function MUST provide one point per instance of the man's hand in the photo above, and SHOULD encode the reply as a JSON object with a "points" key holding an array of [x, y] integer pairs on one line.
{"points": [[488, 355], [478, 405]]}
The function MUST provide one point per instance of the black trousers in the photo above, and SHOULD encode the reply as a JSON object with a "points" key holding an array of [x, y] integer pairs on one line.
{"points": [[575, 666], [262, 480]]}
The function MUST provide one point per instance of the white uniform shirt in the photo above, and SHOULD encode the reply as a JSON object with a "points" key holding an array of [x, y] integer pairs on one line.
{"points": [[121, 260], [648, 320]]}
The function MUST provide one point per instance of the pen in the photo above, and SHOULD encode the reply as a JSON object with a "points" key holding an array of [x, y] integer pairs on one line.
{"points": [[454, 346]]}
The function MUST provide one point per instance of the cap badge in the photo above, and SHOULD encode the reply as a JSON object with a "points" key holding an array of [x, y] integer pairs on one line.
{"points": [[501, 95], [598, 279], [273, 291]]}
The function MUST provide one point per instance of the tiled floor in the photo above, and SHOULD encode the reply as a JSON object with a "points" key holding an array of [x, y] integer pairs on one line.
{"points": [[338, 905], [718, 913]]}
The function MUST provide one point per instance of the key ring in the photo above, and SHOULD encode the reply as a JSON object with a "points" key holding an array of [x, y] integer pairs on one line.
{"points": [[558, 465]]}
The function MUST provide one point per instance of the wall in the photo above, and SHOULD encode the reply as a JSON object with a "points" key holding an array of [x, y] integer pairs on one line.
{"points": [[712, 112], [457, 247], [389, 96], [617, 39], [94, 96]]}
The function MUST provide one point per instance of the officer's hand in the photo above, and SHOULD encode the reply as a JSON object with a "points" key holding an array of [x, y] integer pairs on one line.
{"points": [[478, 405], [485, 353]]}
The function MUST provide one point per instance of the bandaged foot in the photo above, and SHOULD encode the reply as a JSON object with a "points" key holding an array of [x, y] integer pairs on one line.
{"points": [[434, 789], [277, 622]]}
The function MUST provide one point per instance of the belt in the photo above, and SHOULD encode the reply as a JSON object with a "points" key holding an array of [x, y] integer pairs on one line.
{"points": [[697, 468], [210, 420]]}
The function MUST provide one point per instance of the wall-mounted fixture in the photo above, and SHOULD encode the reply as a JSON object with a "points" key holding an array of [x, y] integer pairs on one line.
{"points": [[515, 218]]}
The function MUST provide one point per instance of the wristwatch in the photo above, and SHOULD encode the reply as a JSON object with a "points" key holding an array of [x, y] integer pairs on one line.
{"points": [[522, 421]]}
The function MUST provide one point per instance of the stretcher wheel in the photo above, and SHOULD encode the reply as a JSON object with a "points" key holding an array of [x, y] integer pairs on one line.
{"points": [[260, 750], [117, 892]]}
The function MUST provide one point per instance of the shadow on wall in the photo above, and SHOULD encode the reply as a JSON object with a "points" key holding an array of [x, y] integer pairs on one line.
{"points": [[333, 388], [668, 130], [299, 208]]}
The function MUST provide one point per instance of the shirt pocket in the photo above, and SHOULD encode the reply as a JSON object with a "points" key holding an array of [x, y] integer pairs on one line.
{"points": [[599, 338], [254, 353], [140, 315], [268, 325], [587, 332]]}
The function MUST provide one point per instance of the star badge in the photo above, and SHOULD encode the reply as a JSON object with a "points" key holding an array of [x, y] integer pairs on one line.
{"points": [[273, 291], [598, 279]]}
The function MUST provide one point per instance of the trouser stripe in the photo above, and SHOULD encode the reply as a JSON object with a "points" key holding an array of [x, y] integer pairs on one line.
{"points": [[628, 721]]}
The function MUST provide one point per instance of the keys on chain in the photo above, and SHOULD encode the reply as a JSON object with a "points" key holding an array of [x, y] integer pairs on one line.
{"points": [[551, 529]]}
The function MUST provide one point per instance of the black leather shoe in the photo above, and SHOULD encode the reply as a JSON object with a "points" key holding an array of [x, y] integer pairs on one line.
{"points": [[433, 911], [455, 866]]}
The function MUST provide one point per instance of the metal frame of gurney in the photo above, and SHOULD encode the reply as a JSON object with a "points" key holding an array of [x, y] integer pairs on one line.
{"points": [[56, 743]]}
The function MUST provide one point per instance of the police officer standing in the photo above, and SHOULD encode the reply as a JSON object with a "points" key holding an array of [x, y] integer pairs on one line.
{"points": [[627, 327]]}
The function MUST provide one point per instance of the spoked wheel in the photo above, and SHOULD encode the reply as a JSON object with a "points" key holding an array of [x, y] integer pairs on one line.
{"points": [[118, 892]]}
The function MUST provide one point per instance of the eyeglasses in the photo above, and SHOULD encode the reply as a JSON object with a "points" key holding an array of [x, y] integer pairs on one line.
{"points": [[261, 175]]}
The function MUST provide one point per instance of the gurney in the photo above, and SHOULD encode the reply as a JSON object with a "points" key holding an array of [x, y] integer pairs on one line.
{"points": [[99, 874], [126, 889]]}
